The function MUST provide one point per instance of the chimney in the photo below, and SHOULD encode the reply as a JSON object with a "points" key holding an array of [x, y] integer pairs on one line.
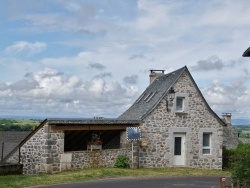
{"points": [[155, 74], [227, 117]]}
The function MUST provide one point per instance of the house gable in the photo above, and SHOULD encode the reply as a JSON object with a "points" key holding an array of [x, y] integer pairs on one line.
{"points": [[157, 91], [164, 124]]}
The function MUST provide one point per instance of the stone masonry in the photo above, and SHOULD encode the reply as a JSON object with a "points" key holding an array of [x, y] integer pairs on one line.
{"points": [[160, 125], [44, 153]]}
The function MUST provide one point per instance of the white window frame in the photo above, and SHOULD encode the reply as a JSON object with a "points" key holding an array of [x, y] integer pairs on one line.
{"points": [[209, 145], [184, 97], [182, 107]]}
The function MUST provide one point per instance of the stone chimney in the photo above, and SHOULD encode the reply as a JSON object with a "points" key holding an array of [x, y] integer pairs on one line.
{"points": [[227, 117], [155, 74]]}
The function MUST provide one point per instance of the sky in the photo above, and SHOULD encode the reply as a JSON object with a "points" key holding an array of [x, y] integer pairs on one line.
{"points": [[91, 58]]}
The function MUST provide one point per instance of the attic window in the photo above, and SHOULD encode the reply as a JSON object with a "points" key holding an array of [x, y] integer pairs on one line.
{"points": [[139, 99], [147, 96], [151, 96]]}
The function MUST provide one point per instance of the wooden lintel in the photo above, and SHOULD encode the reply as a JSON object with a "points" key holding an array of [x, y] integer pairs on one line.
{"points": [[89, 128]]}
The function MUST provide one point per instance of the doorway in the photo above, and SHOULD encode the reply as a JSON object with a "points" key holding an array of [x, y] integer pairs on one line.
{"points": [[179, 149]]}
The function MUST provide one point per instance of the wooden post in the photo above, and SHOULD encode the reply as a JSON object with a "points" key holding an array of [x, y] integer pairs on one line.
{"points": [[19, 154], [2, 151], [238, 183], [132, 154], [222, 182], [232, 182], [245, 184]]}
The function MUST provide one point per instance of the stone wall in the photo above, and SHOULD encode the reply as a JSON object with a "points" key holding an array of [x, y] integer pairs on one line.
{"points": [[44, 153], [87, 159], [161, 124], [245, 140], [230, 138], [41, 153], [10, 169]]}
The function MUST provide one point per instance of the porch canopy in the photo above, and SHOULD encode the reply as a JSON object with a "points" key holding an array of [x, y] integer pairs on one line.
{"points": [[92, 124], [78, 132]]}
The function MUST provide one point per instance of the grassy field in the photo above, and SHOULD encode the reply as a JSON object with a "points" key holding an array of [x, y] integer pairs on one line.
{"points": [[15, 181], [18, 124], [23, 122]]}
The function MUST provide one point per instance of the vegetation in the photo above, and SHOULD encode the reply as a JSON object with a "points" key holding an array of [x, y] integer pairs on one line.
{"points": [[15, 181], [18, 124], [240, 162], [243, 130], [122, 161]]}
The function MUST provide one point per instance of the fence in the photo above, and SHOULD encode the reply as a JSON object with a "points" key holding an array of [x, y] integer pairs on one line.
{"points": [[229, 159], [233, 183], [6, 148]]}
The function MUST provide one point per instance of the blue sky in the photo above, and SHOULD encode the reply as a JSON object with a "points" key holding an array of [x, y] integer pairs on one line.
{"points": [[91, 58]]}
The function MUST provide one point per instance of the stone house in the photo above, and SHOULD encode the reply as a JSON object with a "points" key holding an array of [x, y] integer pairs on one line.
{"points": [[178, 129]]}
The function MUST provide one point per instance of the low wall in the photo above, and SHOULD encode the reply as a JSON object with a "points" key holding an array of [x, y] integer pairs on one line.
{"points": [[9, 169], [87, 159], [245, 140]]}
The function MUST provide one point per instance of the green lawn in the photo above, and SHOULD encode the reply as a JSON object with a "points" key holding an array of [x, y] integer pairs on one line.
{"points": [[98, 173]]}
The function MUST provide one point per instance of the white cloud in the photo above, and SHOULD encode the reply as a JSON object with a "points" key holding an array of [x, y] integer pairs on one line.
{"points": [[53, 93], [125, 39], [232, 97], [26, 47]]}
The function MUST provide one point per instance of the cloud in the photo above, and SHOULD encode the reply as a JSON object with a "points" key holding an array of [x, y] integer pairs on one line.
{"points": [[212, 63], [26, 47], [97, 66], [135, 56], [53, 93], [230, 97], [122, 38], [131, 80]]}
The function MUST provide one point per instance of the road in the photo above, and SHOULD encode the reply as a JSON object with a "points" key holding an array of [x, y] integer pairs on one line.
{"points": [[147, 182]]}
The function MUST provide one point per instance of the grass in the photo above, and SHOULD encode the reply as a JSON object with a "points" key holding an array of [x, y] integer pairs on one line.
{"points": [[15, 181], [23, 122]]}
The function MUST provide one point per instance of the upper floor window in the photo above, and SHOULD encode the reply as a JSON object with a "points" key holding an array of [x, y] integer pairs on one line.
{"points": [[181, 103], [206, 144]]}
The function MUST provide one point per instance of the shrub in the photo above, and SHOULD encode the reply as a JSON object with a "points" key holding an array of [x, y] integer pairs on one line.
{"points": [[241, 168], [122, 161]]}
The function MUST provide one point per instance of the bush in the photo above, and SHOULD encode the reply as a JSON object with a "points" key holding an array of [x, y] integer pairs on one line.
{"points": [[122, 161], [241, 168]]}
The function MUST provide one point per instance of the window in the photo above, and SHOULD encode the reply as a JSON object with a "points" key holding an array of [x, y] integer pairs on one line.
{"points": [[151, 96], [206, 144], [180, 104], [139, 99]]}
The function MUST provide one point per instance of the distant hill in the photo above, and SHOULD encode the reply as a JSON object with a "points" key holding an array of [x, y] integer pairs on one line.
{"points": [[241, 121]]}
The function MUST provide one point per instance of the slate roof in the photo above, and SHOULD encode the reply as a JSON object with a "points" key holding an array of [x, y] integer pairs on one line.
{"points": [[161, 85], [158, 88], [92, 121], [11, 140]]}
